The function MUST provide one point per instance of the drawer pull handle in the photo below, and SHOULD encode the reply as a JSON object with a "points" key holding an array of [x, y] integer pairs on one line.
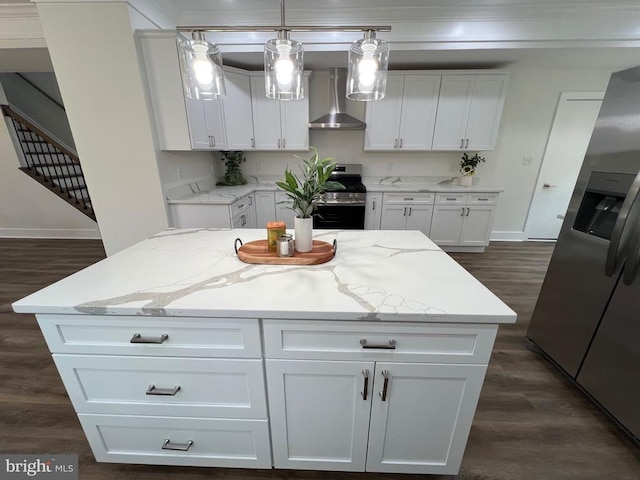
{"points": [[365, 389], [137, 338], [448, 198], [183, 447], [153, 390], [408, 199], [385, 385], [483, 199], [391, 345]]}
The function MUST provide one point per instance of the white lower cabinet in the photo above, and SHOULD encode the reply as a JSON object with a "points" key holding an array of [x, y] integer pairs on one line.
{"points": [[407, 212], [373, 211], [265, 208], [463, 219]]}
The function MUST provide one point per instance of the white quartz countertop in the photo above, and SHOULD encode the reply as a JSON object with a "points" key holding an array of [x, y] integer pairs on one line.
{"points": [[217, 195], [375, 275]]}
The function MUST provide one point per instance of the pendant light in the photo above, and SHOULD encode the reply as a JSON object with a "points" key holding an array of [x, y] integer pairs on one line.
{"points": [[283, 68], [201, 68], [368, 65]]}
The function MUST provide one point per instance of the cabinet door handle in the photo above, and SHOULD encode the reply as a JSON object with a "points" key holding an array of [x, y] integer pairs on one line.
{"points": [[468, 210], [400, 143], [390, 345], [253, 143], [278, 143], [467, 145], [462, 143], [395, 143], [385, 385], [137, 338], [405, 212], [284, 143], [183, 447], [409, 211], [373, 204], [153, 390], [462, 214], [250, 201], [365, 389]]}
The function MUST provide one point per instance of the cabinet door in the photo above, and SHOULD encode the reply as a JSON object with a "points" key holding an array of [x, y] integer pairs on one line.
{"points": [[319, 414], [265, 208], [476, 229], [419, 106], [237, 112], [446, 224], [419, 218], [394, 217], [373, 212], [214, 120], [422, 424], [284, 212], [197, 124], [266, 117], [294, 119], [383, 117], [453, 112], [489, 92]]}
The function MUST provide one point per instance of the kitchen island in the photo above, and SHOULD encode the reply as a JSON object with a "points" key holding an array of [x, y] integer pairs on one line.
{"points": [[174, 351]]}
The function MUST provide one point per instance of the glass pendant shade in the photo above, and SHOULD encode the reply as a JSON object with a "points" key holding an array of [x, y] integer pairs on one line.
{"points": [[283, 68], [368, 65], [201, 68]]}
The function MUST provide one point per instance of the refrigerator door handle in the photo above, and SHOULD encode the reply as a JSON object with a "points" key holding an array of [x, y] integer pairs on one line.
{"points": [[619, 236]]}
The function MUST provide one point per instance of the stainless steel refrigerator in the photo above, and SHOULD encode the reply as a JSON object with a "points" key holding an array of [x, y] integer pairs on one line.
{"points": [[587, 318]]}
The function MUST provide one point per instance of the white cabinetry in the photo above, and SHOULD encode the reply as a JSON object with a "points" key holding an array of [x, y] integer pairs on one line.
{"points": [[284, 213], [238, 112], [279, 125], [240, 214], [148, 390], [469, 112], [243, 212], [336, 405], [405, 118], [410, 211], [373, 212], [463, 219], [265, 208]]}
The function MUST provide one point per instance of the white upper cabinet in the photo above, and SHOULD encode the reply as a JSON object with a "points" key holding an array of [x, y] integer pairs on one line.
{"points": [[237, 112], [469, 112], [405, 118], [279, 125]]}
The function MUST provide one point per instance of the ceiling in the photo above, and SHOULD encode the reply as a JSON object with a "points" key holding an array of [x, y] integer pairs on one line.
{"points": [[425, 34]]}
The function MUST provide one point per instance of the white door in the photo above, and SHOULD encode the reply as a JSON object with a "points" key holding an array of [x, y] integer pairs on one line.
{"points": [[421, 420], [394, 217], [419, 105], [237, 112], [295, 122], [419, 218], [383, 117], [319, 413], [453, 112], [447, 224], [570, 134]]}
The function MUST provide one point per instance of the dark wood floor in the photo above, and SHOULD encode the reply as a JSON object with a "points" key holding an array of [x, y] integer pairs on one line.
{"points": [[530, 424]]}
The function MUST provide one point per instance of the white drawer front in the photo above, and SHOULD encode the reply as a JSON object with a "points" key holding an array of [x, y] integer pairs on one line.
{"points": [[433, 343], [215, 443], [241, 205], [482, 199], [186, 337], [192, 387], [408, 198], [451, 198]]}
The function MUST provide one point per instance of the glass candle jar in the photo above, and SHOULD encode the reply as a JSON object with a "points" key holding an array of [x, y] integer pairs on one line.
{"points": [[285, 245]]}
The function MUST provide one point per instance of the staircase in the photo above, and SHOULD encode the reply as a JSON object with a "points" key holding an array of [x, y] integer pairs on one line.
{"points": [[49, 162]]}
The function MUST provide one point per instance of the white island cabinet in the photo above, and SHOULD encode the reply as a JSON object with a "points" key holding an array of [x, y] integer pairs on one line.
{"points": [[176, 352]]}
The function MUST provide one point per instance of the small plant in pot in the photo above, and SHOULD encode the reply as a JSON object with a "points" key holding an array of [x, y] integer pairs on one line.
{"points": [[233, 175], [306, 192], [468, 166]]}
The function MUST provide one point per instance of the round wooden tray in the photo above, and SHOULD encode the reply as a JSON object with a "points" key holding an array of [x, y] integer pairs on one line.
{"points": [[258, 252]]}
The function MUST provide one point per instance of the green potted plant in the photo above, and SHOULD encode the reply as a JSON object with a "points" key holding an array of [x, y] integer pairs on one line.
{"points": [[233, 175], [306, 191], [468, 166]]}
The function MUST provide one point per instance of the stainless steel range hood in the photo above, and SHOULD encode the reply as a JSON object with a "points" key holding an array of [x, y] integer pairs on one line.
{"points": [[337, 119]]}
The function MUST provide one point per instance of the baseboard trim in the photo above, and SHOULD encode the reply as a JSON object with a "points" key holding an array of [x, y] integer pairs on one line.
{"points": [[506, 236], [84, 233]]}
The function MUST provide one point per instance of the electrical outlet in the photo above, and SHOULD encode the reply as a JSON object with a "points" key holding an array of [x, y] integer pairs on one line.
{"points": [[527, 160], [389, 166], [179, 174]]}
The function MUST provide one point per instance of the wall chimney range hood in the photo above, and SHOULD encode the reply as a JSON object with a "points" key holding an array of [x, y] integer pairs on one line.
{"points": [[337, 119]]}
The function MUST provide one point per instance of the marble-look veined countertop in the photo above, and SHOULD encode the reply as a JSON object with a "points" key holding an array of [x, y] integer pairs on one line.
{"points": [[376, 275], [208, 193]]}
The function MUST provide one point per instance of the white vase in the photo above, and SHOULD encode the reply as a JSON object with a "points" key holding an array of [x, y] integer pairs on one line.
{"points": [[466, 180], [304, 234]]}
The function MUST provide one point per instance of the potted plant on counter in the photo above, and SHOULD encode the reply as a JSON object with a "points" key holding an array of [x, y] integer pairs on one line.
{"points": [[468, 166], [306, 192], [233, 175]]}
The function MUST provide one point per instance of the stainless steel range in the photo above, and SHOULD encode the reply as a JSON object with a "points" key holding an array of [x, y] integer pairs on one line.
{"points": [[343, 209]]}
